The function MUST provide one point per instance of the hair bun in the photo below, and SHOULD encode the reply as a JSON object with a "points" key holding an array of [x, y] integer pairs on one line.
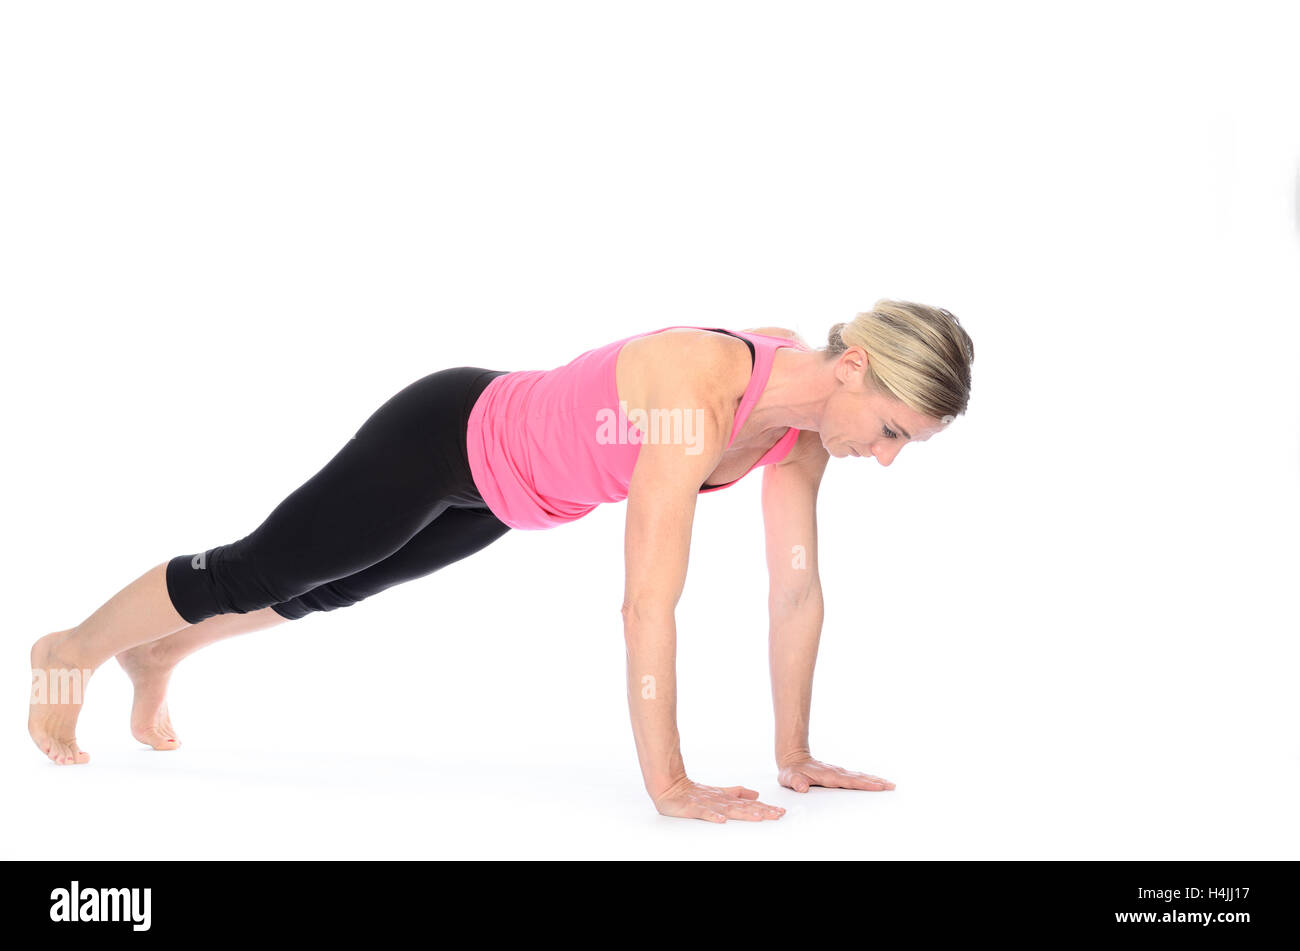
{"points": [[834, 340]]}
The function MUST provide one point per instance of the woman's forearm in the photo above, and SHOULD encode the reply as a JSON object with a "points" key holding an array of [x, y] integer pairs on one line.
{"points": [[652, 697], [792, 655]]}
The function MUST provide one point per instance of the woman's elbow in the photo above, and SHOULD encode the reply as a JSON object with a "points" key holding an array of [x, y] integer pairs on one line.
{"points": [[646, 611], [783, 598]]}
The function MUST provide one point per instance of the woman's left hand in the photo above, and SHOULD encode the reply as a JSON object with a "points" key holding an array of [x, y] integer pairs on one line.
{"points": [[802, 773]]}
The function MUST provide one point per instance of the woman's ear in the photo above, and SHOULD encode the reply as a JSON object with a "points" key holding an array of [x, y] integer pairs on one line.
{"points": [[852, 364]]}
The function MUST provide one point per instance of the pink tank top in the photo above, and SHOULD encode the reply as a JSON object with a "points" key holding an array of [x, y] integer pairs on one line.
{"points": [[547, 446]]}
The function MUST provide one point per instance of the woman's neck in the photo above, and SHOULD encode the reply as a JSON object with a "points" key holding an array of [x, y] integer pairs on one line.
{"points": [[800, 383]]}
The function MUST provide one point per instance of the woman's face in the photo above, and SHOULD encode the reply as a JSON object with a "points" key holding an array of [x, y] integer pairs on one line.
{"points": [[861, 421]]}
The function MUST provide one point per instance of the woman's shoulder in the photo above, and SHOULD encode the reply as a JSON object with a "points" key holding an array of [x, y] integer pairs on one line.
{"points": [[691, 346], [686, 358], [722, 360]]}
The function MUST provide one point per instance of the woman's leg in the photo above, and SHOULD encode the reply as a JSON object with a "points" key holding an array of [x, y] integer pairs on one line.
{"points": [[404, 466], [62, 662], [150, 668], [453, 535]]}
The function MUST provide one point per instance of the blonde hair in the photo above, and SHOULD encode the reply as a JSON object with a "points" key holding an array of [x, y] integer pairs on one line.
{"points": [[919, 355]]}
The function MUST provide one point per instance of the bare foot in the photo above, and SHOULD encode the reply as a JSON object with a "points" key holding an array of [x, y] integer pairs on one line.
{"points": [[58, 684], [150, 723]]}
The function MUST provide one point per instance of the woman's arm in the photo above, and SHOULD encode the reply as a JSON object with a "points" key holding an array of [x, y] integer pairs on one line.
{"points": [[795, 609], [794, 597], [660, 511]]}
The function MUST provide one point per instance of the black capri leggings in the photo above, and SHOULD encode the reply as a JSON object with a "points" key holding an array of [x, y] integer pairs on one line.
{"points": [[396, 503]]}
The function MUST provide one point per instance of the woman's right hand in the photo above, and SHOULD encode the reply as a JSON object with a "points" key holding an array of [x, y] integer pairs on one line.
{"points": [[685, 799]]}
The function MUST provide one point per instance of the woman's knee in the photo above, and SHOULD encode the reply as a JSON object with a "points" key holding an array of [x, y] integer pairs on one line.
{"points": [[229, 579], [326, 597]]}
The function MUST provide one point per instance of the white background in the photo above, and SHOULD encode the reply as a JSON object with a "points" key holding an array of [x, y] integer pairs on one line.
{"points": [[1064, 628]]}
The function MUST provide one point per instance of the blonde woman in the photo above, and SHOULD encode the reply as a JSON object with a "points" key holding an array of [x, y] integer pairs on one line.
{"points": [[460, 457]]}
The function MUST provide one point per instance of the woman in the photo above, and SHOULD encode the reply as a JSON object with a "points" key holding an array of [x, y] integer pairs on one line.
{"points": [[456, 459]]}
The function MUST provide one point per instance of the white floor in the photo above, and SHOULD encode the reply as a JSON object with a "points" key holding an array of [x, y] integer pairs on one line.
{"points": [[1185, 785], [264, 804]]}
